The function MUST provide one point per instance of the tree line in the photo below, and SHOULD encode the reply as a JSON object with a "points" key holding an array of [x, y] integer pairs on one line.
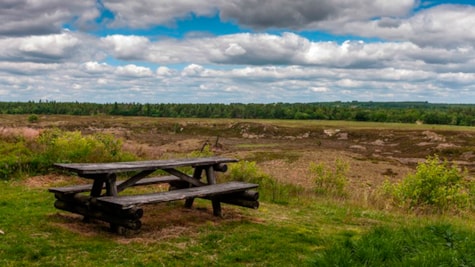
{"points": [[405, 112]]}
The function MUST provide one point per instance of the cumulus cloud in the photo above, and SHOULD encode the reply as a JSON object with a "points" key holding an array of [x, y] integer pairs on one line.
{"points": [[303, 14], [257, 14], [132, 70], [39, 17], [196, 83], [126, 47], [441, 26], [287, 49], [47, 48], [146, 13], [96, 67], [419, 51]]}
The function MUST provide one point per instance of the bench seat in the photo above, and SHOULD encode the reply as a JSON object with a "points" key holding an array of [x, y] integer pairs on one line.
{"points": [[125, 202], [87, 187]]}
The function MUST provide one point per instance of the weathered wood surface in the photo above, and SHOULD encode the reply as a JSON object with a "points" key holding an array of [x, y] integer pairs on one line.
{"points": [[87, 187], [114, 167], [126, 202], [130, 220]]}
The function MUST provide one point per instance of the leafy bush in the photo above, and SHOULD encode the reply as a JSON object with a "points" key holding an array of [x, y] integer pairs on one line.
{"points": [[33, 118], [436, 186], [18, 157], [269, 188], [327, 181], [60, 146], [14, 157]]}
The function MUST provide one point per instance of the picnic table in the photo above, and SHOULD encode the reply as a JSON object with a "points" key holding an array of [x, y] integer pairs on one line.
{"points": [[103, 199]]}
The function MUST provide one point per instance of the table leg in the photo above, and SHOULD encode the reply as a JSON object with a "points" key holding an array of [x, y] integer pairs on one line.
{"points": [[196, 175], [97, 186], [111, 187], [210, 176]]}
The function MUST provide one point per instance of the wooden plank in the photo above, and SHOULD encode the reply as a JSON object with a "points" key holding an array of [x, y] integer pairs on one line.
{"points": [[87, 187], [126, 202], [95, 168], [184, 177]]}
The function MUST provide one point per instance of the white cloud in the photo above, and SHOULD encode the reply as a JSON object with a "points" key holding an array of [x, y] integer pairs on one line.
{"points": [[193, 70], [319, 89], [127, 47], [50, 45], [96, 67], [289, 49], [234, 50], [164, 71], [132, 70], [447, 26], [51, 48], [425, 54]]}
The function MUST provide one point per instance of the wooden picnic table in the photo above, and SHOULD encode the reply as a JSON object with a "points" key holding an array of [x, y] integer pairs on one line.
{"points": [[104, 201]]}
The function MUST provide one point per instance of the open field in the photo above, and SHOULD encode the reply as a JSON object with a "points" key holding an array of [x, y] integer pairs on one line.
{"points": [[293, 233]]}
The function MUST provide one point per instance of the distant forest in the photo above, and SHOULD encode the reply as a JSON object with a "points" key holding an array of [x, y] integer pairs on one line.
{"points": [[405, 112]]}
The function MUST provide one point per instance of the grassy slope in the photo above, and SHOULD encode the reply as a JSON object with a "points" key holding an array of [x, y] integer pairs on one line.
{"points": [[297, 234]]}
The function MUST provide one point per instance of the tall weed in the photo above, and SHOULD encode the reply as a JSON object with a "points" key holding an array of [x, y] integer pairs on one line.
{"points": [[329, 181], [269, 188]]}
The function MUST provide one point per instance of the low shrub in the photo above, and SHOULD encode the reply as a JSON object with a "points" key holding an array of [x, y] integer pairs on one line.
{"points": [[33, 118], [19, 157], [65, 147], [436, 186], [14, 158]]}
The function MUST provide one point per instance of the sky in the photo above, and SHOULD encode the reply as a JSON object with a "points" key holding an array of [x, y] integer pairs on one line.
{"points": [[237, 51]]}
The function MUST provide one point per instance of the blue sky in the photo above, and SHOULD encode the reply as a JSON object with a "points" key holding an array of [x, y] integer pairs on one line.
{"points": [[228, 51]]}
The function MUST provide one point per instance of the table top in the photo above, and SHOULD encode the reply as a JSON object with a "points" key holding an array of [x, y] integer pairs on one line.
{"points": [[115, 167]]}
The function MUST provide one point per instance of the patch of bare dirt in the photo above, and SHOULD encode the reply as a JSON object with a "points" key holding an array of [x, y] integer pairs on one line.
{"points": [[51, 180], [160, 222], [362, 173]]}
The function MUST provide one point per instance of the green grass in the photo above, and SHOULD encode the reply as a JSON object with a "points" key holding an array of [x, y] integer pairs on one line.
{"points": [[308, 232]]}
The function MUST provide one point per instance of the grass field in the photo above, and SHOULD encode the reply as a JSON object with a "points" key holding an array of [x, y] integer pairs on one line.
{"points": [[305, 233], [303, 230]]}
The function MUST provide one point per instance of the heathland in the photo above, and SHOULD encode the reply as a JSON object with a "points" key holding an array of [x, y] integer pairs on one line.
{"points": [[333, 193]]}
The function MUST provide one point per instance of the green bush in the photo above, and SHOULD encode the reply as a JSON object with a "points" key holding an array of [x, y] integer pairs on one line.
{"points": [[33, 118], [327, 181], [435, 186], [19, 157], [269, 188], [59, 146], [14, 158]]}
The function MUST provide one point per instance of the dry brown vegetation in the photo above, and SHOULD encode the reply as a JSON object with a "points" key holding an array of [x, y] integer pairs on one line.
{"points": [[281, 148]]}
